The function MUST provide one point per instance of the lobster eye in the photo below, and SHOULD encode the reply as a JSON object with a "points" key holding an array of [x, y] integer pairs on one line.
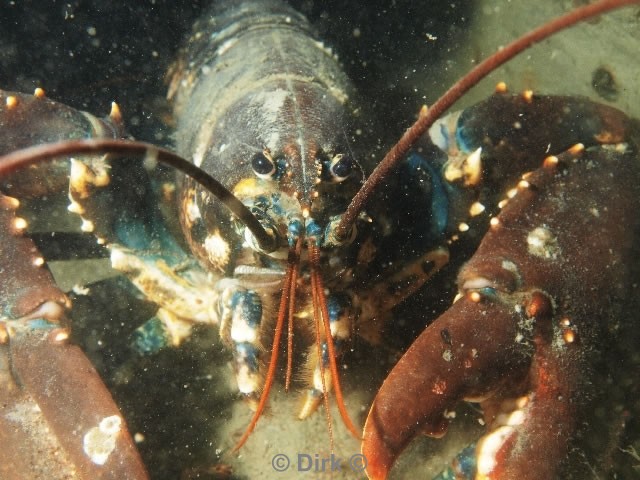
{"points": [[263, 165], [341, 167]]}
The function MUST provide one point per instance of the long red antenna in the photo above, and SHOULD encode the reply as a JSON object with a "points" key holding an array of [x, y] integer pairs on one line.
{"points": [[287, 291], [399, 150]]}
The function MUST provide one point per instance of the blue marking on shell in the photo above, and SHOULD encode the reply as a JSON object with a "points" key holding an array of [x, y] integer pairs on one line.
{"points": [[439, 199], [295, 230], [281, 168], [488, 292], [42, 324], [275, 204], [336, 305], [463, 138], [247, 354], [248, 305], [261, 201], [149, 235], [463, 467], [150, 337], [314, 230]]}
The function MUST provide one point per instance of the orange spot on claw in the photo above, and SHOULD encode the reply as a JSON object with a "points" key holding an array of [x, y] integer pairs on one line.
{"points": [[475, 297], [569, 336], [439, 387], [12, 102], [550, 162], [577, 149], [538, 305]]}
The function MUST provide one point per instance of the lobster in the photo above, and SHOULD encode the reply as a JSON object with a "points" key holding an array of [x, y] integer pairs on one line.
{"points": [[212, 233]]}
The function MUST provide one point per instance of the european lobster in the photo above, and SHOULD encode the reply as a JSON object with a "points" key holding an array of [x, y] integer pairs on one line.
{"points": [[487, 287]]}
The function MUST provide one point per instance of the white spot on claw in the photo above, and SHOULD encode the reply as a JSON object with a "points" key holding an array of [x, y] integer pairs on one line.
{"points": [[542, 243], [100, 441]]}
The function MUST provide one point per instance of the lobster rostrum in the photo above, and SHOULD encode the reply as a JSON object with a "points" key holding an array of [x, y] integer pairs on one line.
{"points": [[259, 131]]}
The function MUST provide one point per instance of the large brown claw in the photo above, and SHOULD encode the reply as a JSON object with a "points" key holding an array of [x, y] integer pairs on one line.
{"points": [[438, 374], [57, 418], [77, 407], [531, 327]]}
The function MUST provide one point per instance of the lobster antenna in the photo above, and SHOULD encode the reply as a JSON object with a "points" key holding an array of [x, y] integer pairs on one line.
{"points": [[484, 68], [32, 155]]}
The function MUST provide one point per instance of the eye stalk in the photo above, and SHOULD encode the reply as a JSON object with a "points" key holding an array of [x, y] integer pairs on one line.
{"points": [[341, 167], [263, 165]]}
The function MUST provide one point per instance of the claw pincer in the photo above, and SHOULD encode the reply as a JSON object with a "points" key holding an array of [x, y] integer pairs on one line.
{"points": [[57, 420], [529, 328]]}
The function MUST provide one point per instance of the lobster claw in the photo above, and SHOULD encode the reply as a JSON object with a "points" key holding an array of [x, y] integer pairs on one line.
{"points": [[57, 418], [54, 398], [529, 327], [463, 370]]}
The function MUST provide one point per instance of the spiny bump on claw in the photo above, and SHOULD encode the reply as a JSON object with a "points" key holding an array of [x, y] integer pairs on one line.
{"points": [[115, 114], [550, 162], [39, 93], [60, 335], [494, 222], [38, 261], [569, 336], [423, 111], [577, 149], [501, 87], [12, 102], [476, 209], [475, 297], [463, 227], [87, 226], [527, 96], [523, 184], [473, 168], [568, 333], [19, 224], [9, 202], [468, 168]]}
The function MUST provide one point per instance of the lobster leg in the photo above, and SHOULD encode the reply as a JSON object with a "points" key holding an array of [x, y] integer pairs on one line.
{"points": [[529, 314], [58, 419]]}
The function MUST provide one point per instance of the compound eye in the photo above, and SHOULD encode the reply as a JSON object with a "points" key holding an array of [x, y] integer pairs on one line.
{"points": [[341, 167], [263, 165]]}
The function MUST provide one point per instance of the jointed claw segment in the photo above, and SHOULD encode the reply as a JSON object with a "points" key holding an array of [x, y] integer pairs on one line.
{"points": [[528, 328]]}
